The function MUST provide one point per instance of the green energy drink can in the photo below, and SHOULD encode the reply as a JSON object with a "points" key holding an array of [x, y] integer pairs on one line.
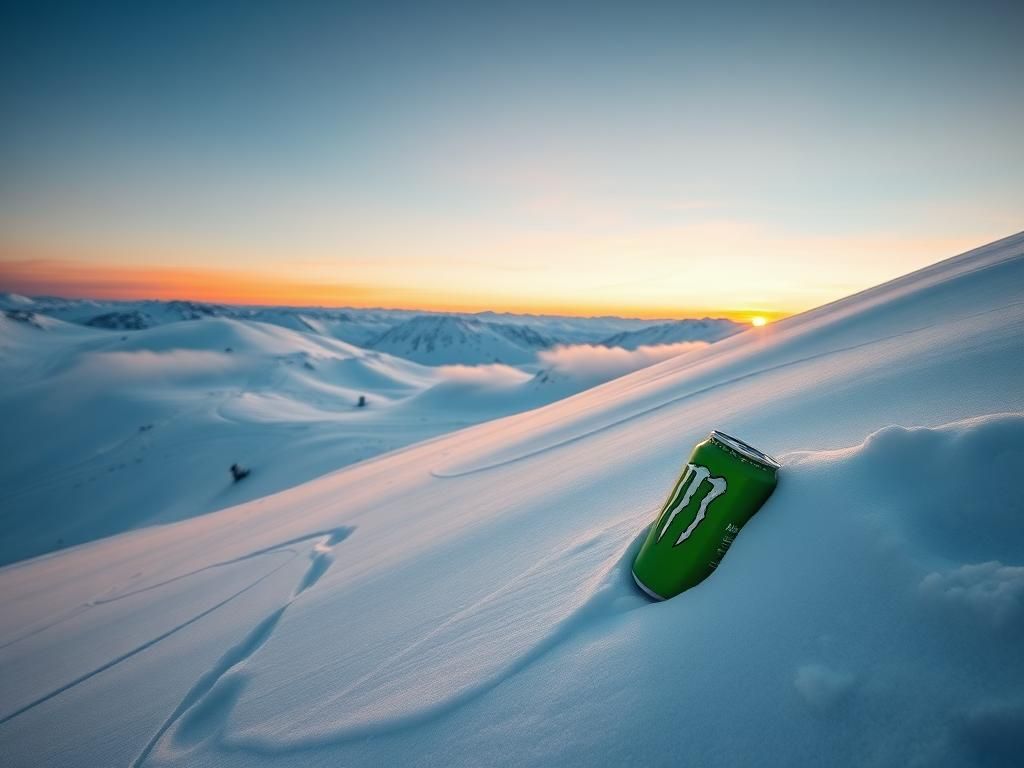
{"points": [[723, 484]]}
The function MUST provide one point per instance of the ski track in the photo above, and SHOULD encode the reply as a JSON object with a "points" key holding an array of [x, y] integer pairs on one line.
{"points": [[138, 649], [77, 610], [321, 558], [279, 548]]}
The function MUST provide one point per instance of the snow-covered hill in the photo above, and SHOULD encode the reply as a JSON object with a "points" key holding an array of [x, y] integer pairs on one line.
{"points": [[449, 339], [150, 421], [106, 431], [708, 329], [466, 601]]}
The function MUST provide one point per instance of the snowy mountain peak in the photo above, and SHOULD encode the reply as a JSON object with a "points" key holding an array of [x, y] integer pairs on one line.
{"points": [[132, 320], [453, 339], [706, 329]]}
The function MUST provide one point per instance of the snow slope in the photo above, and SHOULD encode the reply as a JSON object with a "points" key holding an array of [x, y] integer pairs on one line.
{"points": [[106, 431], [466, 601]]}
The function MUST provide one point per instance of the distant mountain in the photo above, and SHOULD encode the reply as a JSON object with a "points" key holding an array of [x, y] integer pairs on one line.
{"points": [[132, 320], [24, 316], [353, 327], [566, 329], [424, 337], [193, 310], [14, 301], [449, 339], [707, 329]]}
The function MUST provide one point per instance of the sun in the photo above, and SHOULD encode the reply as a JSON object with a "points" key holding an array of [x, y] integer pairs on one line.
{"points": [[758, 321]]}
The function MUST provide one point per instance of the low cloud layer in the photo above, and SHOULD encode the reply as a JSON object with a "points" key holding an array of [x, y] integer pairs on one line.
{"points": [[494, 374], [604, 363]]}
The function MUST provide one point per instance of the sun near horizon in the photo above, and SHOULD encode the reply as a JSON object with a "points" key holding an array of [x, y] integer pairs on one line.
{"points": [[645, 165], [559, 287]]}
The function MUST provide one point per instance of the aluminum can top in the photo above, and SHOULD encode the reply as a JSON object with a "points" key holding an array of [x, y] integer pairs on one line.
{"points": [[745, 451]]}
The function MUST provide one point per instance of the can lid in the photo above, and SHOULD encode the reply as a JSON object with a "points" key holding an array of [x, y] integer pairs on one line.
{"points": [[745, 450]]}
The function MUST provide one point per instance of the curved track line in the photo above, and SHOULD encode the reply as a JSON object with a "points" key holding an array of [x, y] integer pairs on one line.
{"points": [[320, 560], [138, 649], [599, 603], [276, 548], [320, 563], [330, 533]]}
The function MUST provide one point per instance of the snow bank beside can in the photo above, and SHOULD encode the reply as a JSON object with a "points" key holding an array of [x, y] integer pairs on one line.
{"points": [[871, 613]]}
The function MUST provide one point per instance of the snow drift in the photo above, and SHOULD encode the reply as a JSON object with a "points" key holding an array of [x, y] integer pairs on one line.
{"points": [[467, 600]]}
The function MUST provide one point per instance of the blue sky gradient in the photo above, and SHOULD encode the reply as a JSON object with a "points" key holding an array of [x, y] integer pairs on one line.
{"points": [[483, 153]]}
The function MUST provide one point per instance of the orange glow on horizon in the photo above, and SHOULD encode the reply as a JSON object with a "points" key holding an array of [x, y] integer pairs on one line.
{"points": [[718, 268], [71, 279]]}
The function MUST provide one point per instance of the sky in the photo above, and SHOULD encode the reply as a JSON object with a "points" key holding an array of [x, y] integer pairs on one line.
{"points": [[645, 159]]}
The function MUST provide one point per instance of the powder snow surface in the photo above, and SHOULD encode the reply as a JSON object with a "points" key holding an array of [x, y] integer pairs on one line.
{"points": [[467, 601]]}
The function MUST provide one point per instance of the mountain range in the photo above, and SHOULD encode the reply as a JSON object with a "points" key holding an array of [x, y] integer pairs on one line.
{"points": [[426, 338]]}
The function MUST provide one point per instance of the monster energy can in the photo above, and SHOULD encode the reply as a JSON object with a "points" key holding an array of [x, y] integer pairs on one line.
{"points": [[723, 484]]}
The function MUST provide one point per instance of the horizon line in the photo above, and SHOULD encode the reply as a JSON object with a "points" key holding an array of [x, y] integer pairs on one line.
{"points": [[741, 315]]}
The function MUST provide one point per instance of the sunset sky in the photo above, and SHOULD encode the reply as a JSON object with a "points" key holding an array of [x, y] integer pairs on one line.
{"points": [[646, 159]]}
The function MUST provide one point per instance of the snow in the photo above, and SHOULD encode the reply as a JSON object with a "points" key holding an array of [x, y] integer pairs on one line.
{"points": [[427, 338], [467, 601], [447, 339], [151, 420]]}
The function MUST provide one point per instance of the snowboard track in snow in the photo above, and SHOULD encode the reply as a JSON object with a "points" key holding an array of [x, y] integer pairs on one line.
{"points": [[610, 593], [321, 559]]}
